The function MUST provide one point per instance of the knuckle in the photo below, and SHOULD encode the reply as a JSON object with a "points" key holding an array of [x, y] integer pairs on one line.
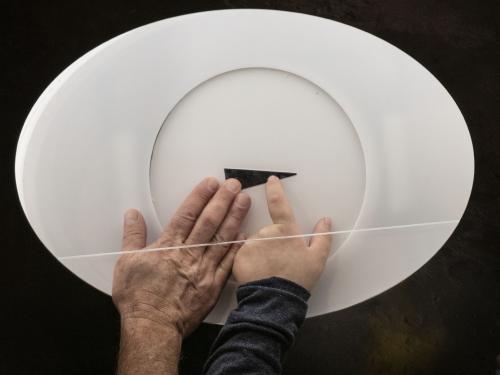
{"points": [[242, 201], [275, 199], [170, 263], [219, 237], [210, 222], [232, 222], [276, 230], [132, 243], [121, 262], [204, 194], [186, 217], [220, 249], [205, 283], [236, 214], [165, 239], [224, 268], [132, 233], [282, 230], [266, 231]]}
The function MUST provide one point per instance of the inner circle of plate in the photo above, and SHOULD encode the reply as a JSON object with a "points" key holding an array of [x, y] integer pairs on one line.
{"points": [[262, 119], [84, 151]]}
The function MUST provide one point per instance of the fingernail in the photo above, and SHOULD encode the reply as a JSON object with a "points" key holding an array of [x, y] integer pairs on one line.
{"points": [[233, 185], [327, 221], [212, 184], [131, 216], [273, 178]]}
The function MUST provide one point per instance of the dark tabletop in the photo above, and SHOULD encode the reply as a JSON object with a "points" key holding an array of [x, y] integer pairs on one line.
{"points": [[444, 319]]}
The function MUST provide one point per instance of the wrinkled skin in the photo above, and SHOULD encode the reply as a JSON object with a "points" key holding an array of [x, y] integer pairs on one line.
{"points": [[178, 288]]}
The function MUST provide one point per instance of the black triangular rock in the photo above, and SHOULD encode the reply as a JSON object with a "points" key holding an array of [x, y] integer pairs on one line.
{"points": [[250, 177]]}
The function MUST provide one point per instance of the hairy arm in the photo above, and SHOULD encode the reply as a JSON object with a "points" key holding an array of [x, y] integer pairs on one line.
{"points": [[148, 348]]}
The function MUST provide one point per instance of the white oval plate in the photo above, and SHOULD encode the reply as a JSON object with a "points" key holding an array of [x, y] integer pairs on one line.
{"points": [[398, 151]]}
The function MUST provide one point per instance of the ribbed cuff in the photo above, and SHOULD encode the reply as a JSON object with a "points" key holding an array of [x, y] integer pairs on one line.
{"points": [[281, 284]]}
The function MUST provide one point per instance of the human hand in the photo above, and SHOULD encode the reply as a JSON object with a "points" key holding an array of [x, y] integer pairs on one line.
{"points": [[178, 288], [292, 258]]}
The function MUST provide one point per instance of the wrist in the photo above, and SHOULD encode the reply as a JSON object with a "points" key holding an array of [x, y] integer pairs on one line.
{"points": [[148, 316], [149, 326], [148, 347]]}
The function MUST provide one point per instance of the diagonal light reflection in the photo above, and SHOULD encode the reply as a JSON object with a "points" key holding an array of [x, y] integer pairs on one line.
{"points": [[306, 235]]}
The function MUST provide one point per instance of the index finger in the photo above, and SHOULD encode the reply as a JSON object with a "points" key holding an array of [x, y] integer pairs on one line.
{"points": [[279, 208]]}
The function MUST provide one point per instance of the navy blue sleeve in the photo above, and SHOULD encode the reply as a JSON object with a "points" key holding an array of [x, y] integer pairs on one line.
{"points": [[260, 330]]}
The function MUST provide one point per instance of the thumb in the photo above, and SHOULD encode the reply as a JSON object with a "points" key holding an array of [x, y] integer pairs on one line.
{"points": [[321, 244], [134, 230]]}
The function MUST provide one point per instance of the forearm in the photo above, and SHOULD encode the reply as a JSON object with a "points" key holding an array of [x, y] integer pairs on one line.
{"points": [[148, 348], [258, 333]]}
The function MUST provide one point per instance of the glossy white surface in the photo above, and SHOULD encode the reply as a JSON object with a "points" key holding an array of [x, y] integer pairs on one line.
{"points": [[84, 152]]}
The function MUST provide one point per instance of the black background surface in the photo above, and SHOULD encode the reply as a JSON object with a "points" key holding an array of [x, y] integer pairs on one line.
{"points": [[444, 319]]}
